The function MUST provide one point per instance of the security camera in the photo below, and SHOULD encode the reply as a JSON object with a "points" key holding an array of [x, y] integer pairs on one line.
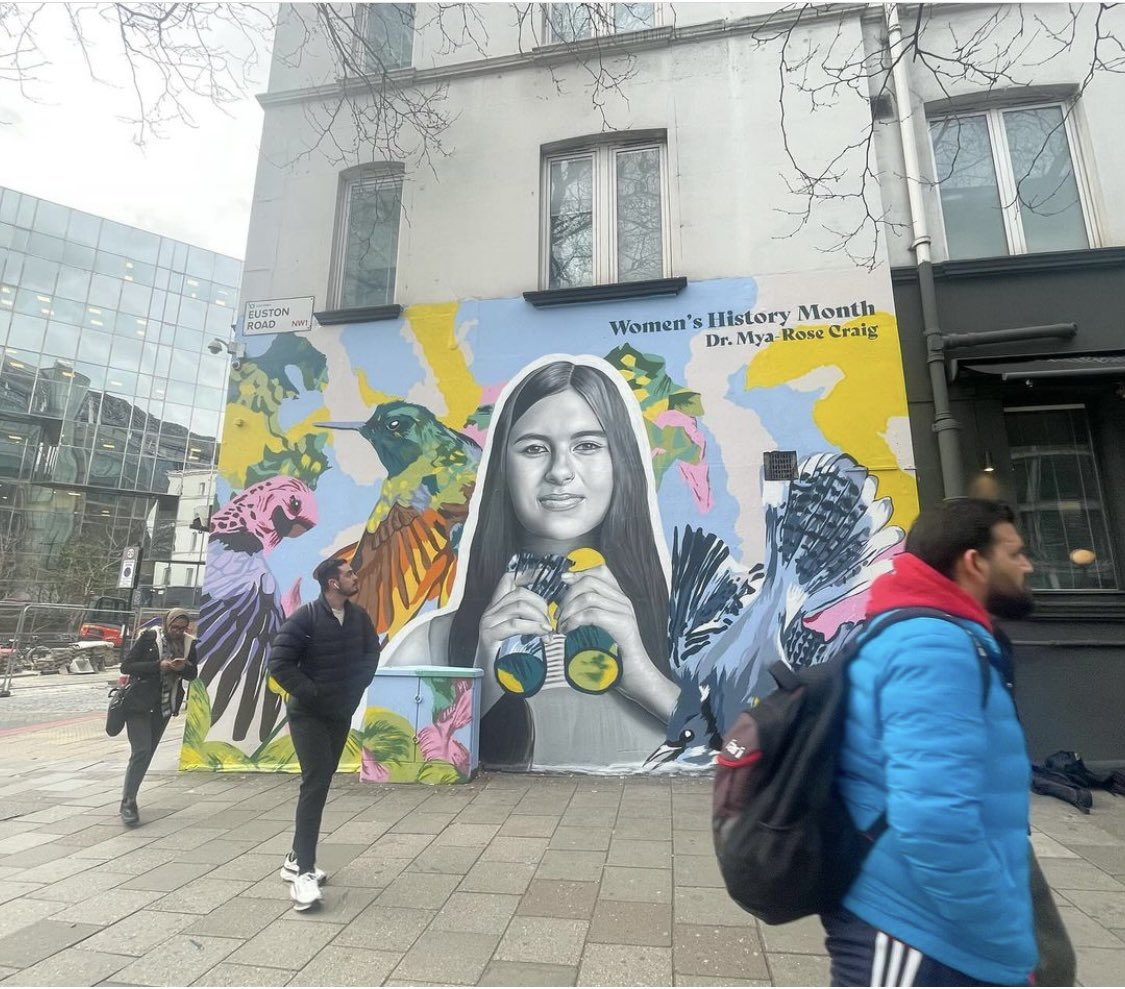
{"points": [[236, 364], [216, 346]]}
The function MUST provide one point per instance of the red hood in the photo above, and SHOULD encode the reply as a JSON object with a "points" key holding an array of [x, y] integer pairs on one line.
{"points": [[914, 584]]}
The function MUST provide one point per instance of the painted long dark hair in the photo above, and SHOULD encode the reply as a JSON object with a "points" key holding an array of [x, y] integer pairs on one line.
{"points": [[625, 537]]}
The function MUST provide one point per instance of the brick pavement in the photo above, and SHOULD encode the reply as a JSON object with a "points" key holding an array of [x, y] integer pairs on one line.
{"points": [[509, 880]]}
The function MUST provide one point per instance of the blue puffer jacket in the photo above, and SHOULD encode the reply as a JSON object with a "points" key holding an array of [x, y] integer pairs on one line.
{"points": [[950, 875]]}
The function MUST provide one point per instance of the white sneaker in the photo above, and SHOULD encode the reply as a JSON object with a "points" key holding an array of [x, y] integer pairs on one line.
{"points": [[305, 891], [289, 870]]}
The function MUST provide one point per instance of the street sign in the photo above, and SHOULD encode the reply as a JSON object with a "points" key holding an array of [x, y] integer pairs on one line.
{"points": [[130, 563], [278, 316]]}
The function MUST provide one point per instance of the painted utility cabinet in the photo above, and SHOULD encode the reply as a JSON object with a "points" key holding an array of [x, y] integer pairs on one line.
{"points": [[421, 725]]}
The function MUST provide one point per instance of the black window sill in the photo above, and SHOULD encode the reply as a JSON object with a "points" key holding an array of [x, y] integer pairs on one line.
{"points": [[1106, 606], [361, 314], [613, 292], [1019, 264]]}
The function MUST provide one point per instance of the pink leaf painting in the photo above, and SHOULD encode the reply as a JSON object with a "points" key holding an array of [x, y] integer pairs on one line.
{"points": [[436, 741], [696, 475]]}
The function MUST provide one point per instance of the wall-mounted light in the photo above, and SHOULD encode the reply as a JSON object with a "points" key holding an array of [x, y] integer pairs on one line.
{"points": [[989, 467]]}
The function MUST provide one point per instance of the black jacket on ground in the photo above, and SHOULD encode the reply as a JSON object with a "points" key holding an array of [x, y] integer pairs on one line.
{"points": [[143, 666], [326, 666]]}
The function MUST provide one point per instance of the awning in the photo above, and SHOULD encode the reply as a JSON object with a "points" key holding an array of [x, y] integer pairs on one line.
{"points": [[1054, 367]]}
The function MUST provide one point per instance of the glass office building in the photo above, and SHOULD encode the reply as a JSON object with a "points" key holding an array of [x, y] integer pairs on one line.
{"points": [[110, 402]]}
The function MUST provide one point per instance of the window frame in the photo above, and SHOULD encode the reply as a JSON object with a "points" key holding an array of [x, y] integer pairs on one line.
{"points": [[1012, 406], [604, 206], [602, 26], [383, 173], [1006, 184]]}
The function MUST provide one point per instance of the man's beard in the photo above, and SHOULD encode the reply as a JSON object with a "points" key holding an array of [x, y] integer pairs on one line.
{"points": [[1010, 604]]}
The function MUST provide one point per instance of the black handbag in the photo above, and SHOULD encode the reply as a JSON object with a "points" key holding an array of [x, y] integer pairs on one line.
{"points": [[119, 695]]}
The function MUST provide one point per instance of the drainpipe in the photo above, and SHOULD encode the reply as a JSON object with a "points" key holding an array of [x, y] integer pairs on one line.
{"points": [[946, 427]]}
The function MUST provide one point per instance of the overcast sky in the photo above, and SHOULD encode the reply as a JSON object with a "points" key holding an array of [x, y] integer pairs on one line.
{"points": [[65, 141]]}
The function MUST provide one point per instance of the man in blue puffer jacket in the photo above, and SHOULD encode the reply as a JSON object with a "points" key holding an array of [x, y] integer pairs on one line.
{"points": [[944, 897]]}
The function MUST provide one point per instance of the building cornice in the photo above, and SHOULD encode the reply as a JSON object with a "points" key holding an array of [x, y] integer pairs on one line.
{"points": [[558, 54]]}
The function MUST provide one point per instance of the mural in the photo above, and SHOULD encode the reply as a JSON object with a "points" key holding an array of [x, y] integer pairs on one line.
{"points": [[572, 501]]}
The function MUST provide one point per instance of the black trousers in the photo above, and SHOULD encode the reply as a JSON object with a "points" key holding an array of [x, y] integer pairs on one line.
{"points": [[319, 742], [864, 956], [145, 729]]}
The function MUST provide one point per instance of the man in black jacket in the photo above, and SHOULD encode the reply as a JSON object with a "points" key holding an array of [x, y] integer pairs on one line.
{"points": [[324, 656]]}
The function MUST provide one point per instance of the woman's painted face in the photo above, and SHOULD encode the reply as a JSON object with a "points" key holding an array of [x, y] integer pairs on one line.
{"points": [[560, 475]]}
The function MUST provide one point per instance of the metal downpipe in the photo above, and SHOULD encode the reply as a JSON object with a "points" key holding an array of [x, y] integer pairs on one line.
{"points": [[944, 425]]}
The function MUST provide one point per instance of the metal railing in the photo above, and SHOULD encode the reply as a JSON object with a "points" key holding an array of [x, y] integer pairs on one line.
{"points": [[139, 619]]}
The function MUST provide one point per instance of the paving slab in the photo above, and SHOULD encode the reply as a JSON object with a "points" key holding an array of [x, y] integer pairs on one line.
{"points": [[529, 826], [799, 970], [621, 922], [638, 885], [283, 946], [226, 974], [529, 974], [339, 966], [719, 951], [498, 877], [451, 859], [447, 958], [559, 898], [106, 908], [387, 928], [139, 933], [71, 967], [240, 917], [625, 965], [41, 940], [419, 889], [551, 940], [178, 961], [476, 913]]}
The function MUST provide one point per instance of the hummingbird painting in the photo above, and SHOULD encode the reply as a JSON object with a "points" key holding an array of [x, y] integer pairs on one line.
{"points": [[407, 554]]}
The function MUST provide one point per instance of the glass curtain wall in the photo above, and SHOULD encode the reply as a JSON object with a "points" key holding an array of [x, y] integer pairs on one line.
{"points": [[108, 395]]}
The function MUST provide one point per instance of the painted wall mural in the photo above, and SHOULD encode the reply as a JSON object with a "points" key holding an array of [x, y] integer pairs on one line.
{"points": [[573, 501]]}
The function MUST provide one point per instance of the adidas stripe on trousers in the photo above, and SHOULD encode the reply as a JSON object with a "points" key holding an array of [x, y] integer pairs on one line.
{"points": [[864, 956]]}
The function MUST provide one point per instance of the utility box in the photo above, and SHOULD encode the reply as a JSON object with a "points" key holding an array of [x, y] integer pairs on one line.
{"points": [[422, 725]]}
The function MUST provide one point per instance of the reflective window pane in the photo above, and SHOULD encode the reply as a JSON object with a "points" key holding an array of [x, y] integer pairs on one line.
{"points": [[633, 16], [1050, 209], [135, 299], [51, 218], [83, 228], [1060, 498], [94, 347], [640, 244], [193, 314], [970, 197], [73, 283], [61, 340], [78, 256], [388, 34], [39, 275], [26, 332], [126, 353], [568, 22], [44, 246], [371, 242], [104, 291], [571, 247]]}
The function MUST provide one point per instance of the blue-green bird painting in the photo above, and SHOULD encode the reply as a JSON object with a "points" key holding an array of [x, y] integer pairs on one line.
{"points": [[407, 554]]}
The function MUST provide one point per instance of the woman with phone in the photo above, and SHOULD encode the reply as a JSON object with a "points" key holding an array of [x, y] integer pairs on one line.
{"points": [[158, 664]]}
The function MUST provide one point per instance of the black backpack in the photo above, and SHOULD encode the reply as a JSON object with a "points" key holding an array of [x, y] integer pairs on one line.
{"points": [[786, 844]]}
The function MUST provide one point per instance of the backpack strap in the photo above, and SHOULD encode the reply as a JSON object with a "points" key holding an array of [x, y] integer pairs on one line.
{"points": [[882, 622]]}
